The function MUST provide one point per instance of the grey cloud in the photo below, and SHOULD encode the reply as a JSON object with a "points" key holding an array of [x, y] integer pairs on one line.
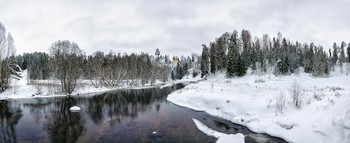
{"points": [[173, 26]]}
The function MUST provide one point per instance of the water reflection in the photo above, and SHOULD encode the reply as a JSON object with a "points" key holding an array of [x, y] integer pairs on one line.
{"points": [[124, 103], [9, 117], [65, 126], [134, 115]]}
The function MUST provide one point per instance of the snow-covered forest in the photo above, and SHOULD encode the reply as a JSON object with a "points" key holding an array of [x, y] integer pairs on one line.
{"points": [[234, 54], [240, 68], [66, 67], [231, 54]]}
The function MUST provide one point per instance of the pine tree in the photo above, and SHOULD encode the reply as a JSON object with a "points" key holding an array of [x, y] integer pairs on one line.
{"points": [[205, 61]]}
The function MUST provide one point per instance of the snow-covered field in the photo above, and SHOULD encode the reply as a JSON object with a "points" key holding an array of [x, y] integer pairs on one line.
{"points": [[324, 114]]}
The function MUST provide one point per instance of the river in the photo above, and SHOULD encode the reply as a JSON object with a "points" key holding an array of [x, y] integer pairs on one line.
{"points": [[127, 115]]}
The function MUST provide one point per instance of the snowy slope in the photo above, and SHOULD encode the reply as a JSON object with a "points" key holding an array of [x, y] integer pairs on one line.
{"points": [[324, 115]]}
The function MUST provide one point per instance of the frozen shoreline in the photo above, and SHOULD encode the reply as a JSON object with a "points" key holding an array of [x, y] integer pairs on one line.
{"points": [[250, 101]]}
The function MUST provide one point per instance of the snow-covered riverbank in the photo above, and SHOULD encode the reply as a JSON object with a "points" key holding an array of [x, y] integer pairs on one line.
{"points": [[324, 115], [43, 88]]}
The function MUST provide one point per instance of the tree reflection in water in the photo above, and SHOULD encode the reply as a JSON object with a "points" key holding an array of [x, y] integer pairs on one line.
{"points": [[9, 117], [125, 103], [65, 126]]}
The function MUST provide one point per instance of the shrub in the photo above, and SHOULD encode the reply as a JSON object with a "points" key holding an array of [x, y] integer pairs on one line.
{"points": [[296, 91]]}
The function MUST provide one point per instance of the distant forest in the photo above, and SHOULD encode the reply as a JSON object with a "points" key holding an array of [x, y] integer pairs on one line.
{"points": [[231, 54]]}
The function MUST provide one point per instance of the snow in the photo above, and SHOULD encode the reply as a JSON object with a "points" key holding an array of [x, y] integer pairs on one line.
{"points": [[74, 109], [22, 89], [324, 115], [222, 137]]}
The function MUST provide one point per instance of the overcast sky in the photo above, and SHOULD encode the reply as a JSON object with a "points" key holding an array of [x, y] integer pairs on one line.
{"points": [[174, 26]]}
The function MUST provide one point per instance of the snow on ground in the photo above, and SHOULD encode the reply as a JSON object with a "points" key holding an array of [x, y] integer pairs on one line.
{"points": [[222, 138], [44, 88], [22, 89], [324, 115]]}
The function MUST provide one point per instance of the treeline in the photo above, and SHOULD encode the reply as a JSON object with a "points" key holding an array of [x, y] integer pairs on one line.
{"points": [[67, 63], [8, 66], [109, 70], [185, 66], [115, 69], [234, 54]]}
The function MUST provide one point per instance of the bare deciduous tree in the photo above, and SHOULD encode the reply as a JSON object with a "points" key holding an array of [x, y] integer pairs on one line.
{"points": [[66, 61], [8, 66], [280, 102], [296, 91], [2, 46]]}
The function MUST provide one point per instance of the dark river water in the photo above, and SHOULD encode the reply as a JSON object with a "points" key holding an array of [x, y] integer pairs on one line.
{"points": [[132, 115]]}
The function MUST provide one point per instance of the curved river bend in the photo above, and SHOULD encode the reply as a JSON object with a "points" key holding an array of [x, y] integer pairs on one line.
{"points": [[130, 115]]}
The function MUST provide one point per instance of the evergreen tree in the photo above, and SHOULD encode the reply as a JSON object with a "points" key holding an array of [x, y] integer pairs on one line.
{"points": [[157, 53], [308, 63], [342, 56], [213, 59], [335, 54], [282, 66], [342, 53], [246, 53], [185, 69], [326, 61], [348, 51], [205, 61], [262, 62], [300, 56], [220, 53], [179, 71], [235, 39], [231, 69], [241, 67], [172, 75]]}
